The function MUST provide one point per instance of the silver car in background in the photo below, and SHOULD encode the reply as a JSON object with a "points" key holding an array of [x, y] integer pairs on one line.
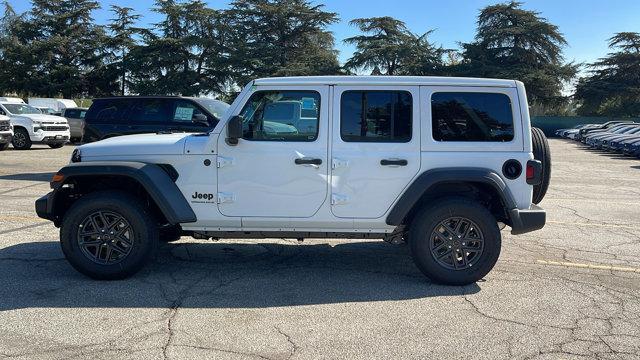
{"points": [[75, 117]]}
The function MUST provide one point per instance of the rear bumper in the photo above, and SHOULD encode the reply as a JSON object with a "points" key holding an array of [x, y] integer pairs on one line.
{"points": [[44, 207], [524, 221]]}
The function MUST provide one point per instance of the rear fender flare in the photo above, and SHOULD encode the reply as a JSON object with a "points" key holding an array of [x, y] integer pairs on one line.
{"points": [[427, 180]]}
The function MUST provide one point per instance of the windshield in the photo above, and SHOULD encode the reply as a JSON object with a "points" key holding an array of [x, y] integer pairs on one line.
{"points": [[19, 109], [216, 107]]}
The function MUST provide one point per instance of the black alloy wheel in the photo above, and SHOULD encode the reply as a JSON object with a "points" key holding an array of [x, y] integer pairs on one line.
{"points": [[456, 243], [105, 237]]}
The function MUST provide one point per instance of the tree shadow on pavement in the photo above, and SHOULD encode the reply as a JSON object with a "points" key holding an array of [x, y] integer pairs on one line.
{"points": [[223, 275]]}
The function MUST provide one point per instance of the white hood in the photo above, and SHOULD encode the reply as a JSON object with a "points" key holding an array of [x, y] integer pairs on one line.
{"points": [[44, 118], [132, 145]]}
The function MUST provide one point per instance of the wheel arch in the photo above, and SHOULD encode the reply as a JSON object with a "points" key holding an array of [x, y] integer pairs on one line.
{"points": [[152, 183], [481, 184]]}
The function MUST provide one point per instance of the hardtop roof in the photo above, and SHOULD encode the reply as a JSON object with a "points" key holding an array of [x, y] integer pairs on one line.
{"points": [[385, 80]]}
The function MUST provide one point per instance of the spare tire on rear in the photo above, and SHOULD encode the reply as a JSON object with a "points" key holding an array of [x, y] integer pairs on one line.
{"points": [[542, 153]]}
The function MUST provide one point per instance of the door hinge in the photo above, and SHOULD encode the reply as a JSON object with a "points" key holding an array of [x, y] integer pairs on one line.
{"points": [[339, 163], [225, 198], [222, 161], [339, 199]]}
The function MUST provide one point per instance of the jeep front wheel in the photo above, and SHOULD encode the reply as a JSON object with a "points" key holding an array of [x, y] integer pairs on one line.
{"points": [[455, 241], [108, 235]]}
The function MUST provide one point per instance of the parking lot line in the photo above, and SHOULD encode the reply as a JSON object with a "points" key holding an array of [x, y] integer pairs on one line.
{"points": [[589, 266], [571, 223]]}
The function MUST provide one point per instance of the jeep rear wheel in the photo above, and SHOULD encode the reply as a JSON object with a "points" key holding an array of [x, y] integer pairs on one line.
{"points": [[4, 146], [108, 235], [56, 145], [455, 241], [542, 153], [21, 140]]}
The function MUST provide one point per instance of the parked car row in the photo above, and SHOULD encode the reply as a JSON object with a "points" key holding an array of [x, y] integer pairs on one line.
{"points": [[55, 122], [615, 136]]}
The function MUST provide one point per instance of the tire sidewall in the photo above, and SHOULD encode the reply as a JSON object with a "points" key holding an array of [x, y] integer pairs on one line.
{"points": [[541, 152], [426, 221], [144, 232], [27, 139]]}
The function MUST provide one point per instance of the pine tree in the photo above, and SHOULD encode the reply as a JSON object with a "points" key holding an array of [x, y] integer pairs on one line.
{"points": [[281, 38], [612, 87], [514, 43], [388, 47], [122, 39]]}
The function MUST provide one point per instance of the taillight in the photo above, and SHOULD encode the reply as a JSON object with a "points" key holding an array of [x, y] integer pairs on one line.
{"points": [[531, 172], [534, 172]]}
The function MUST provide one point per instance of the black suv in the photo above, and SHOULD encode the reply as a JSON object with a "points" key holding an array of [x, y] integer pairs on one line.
{"points": [[126, 115]]}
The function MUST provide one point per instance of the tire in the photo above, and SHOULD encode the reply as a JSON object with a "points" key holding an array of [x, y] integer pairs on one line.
{"points": [[143, 235], [4, 146], [170, 234], [56, 146], [426, 246], [21, 140], [542, 153]]}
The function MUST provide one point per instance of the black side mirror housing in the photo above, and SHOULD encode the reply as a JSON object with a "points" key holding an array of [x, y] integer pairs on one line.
{"points": [[234, 130], [200, 119]]}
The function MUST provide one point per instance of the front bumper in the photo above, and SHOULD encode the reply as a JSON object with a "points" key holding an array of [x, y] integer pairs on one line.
{"points": [[50, 136], [6, 138], [527, 220], [44, 207]]}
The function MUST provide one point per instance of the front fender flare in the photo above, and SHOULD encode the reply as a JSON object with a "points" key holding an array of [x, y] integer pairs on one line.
{"points": [[156, 181]]}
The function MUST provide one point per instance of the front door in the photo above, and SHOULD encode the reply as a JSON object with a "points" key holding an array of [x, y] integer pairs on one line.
{"points": [[375, 148], [280, 167]]}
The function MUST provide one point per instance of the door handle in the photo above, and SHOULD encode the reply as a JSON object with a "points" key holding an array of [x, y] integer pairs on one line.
{"points": [[308, 161], [393, 162]]}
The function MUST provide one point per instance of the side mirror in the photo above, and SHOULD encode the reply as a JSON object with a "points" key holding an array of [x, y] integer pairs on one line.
{"points": [[234, 130], [200, 119]]}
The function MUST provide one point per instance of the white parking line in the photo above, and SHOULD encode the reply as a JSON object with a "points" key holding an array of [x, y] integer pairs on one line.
{"points": [[589, 266]]}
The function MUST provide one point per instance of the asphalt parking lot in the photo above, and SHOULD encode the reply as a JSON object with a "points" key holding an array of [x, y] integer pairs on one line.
{"points": [[569, 291]]}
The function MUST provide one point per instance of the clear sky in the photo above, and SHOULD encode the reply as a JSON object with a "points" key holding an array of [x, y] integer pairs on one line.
{"points": [[586, 24]]}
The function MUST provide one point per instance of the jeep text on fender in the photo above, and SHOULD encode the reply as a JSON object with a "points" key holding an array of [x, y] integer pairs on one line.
{"points": [[438, 163]]}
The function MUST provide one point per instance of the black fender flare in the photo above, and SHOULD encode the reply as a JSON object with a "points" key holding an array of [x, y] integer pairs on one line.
{"points": [[153, 178], [427, 180]]}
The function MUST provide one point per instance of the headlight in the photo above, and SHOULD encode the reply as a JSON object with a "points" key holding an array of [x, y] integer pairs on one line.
{"points": [[76, 156]]}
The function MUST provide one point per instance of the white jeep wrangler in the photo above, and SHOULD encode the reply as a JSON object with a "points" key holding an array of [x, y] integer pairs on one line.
{"points": [[440, 163]]}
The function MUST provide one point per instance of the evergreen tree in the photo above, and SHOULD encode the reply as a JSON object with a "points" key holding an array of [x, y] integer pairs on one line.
{"points": [[121, 40], [180, 55], [281, 38], [613, 85], [67, 44], [514, 43], [388, 47]]}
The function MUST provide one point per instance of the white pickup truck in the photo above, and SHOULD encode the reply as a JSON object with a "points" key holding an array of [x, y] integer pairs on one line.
{"points": [[31, 126]]}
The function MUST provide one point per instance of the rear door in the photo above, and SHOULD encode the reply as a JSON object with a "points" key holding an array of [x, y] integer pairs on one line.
{"points": [[375, 148]]}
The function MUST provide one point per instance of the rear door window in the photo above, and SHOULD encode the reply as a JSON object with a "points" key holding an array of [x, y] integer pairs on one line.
{"points": [[109, 111], [376, 116], [158, 111], [471, 116]]}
